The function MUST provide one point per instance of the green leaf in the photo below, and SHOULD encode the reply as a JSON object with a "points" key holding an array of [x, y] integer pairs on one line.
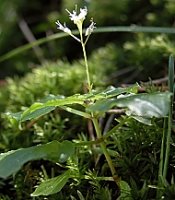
{"points": [[125, 191], [50, 102], [53, 185], [66, 149], [35, 111], [15, 116], [147, 105], [142, 105], [12, 161], [81, 197], [111, 92], [143, 120], [102, 106], [39, 109]]}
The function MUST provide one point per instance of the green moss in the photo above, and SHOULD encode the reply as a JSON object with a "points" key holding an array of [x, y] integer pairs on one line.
{"points": [[149, 54], [56, 78]]}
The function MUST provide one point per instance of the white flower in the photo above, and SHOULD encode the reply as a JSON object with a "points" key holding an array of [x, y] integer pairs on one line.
{"points": [[78, 19], [63, 28], [90, 29]]}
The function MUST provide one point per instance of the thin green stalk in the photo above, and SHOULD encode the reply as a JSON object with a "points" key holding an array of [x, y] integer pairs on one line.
{"points": [[167, 152], [95, 121], [165, 146], [161, 163], [77, 112], [99, 178], [86, 63], [105, 151], [162, 153], [89, 143], [87, 69], [168, 138]]}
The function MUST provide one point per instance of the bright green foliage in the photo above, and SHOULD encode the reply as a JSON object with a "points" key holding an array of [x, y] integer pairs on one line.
{"points": [[156, 48], [54, 151], [51, 102], [59, 78], [149, 106], [96, 102], [138, 146], [53, 185], [50, 78], [140, 106], [125, 191]]}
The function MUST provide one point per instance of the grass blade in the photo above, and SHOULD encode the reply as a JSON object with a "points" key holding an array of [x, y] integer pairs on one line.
{"points": [[132, 28], [170, 85]]}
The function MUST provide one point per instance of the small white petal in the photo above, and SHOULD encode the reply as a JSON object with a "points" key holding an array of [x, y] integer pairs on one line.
{"points": [[59, 25], [78, 19], [83, 13], [67, 30], [63, 28], [90, 29]]}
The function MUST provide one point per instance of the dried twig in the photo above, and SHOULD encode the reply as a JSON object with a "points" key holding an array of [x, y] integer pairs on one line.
{"points": [[30, 38]]}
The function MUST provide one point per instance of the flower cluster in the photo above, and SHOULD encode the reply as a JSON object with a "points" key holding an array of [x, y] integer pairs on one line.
{"points": [[78, 19]]}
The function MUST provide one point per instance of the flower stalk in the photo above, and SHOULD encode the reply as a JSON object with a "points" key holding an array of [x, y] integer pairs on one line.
{"points": [[87, 67], [78, 20]]}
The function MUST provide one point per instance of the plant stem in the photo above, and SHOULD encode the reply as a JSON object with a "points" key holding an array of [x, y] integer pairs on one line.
{"points": [[162, 153], [105, 151], [76, 112], [90, 143], [86, 63], [94, 120], [167, 151], [99, 178], [165, 146], [161, 179], [170, 119]]}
